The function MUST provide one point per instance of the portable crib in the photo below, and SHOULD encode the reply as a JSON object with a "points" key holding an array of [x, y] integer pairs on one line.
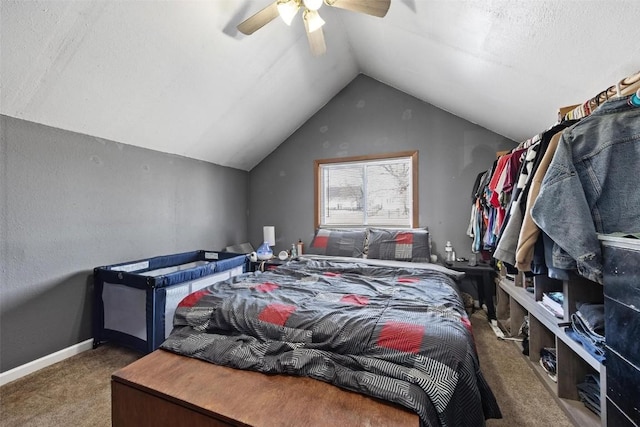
{"points": [[134, 302]]}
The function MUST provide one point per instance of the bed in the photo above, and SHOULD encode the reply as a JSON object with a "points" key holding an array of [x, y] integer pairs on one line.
{"points": [[383, 337]]}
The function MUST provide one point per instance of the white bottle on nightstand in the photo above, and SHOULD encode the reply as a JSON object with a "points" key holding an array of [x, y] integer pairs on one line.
{"points": [[450, 255]]}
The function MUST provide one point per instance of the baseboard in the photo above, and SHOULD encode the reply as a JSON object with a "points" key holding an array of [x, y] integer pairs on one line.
{"points": [[43, 362]]}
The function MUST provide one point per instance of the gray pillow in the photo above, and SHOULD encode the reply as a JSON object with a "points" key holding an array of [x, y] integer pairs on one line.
{"points": [[401, 245]]}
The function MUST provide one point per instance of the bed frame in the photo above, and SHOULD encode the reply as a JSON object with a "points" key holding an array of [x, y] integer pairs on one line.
{"points": [[163, 388]]}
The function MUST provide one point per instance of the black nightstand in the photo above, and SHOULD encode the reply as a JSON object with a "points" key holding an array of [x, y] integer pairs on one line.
{"points": [[483, 274], [269, 264]]}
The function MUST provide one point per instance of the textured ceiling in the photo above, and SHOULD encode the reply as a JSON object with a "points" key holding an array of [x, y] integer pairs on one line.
{"points": [[176, 76]]}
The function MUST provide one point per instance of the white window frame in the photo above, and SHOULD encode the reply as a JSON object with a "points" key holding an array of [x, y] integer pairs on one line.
{"points": [[319, 191]]}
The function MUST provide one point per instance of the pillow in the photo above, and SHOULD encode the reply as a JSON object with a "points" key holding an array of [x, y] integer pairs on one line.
{"points": [[401, 245], [338, 242]]}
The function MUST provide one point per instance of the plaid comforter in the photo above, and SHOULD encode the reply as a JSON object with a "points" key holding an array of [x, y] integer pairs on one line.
{"points": [[396, 333]]}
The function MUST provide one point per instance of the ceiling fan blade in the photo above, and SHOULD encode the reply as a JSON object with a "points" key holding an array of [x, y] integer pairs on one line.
{"points": [[259, 20], [316, 41], [377, 8]]}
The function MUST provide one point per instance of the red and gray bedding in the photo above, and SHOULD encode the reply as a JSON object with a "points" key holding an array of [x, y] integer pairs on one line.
{"points": [[397, 333]]}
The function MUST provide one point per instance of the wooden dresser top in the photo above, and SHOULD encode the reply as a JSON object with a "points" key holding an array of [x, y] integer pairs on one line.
{"points": [[255, 399]]}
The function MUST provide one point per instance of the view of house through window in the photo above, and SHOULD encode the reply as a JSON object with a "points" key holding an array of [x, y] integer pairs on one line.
{"points": [[367, 191]]}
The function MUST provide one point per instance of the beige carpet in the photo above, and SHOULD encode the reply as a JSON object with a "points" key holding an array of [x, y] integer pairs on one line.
{"points": [[523, 399], [76, 392]]}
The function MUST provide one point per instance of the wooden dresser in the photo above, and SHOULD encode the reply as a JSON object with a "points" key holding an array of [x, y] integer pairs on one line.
{"points": [[163, 388]]}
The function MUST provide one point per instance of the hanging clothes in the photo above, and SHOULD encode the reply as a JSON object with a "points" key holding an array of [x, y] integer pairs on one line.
{"points": [[576, 179], [508, 236], [529, 231], [481, 211], [591, 186], [507, 244]]}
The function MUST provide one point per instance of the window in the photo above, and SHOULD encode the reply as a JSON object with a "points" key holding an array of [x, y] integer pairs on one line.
{"points": [[367, 191]]}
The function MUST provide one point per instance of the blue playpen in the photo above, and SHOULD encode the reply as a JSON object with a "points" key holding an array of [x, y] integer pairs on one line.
{"points": [[134, 302]]}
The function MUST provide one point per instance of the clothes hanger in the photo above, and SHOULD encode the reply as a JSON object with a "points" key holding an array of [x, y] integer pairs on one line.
{"points": [[624, 87], [635, 99], [629, 85]]}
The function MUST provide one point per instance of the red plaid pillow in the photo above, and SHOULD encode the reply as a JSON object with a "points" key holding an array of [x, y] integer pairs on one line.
{"points": [[336, 242]]}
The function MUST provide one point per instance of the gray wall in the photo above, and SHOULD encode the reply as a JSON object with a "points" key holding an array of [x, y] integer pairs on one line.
{"points": [[370, 117], [71, 202]]}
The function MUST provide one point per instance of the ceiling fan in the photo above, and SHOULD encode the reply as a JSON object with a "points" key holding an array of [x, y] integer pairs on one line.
{"points": [[288, 9]]}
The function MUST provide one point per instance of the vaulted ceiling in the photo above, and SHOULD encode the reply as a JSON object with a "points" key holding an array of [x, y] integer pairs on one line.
{"points": [[176, 76]]}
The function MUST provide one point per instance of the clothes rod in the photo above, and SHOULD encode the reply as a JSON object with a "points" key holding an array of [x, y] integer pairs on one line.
{"points": [[624, 87]]}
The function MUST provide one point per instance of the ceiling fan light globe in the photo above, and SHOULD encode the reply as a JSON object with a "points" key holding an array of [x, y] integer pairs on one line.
{"points": [[313, 20], [287, 9], [312, 4]]}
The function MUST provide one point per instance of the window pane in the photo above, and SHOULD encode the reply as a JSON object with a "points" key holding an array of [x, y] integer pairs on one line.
{"points": [[389, 194], [343, 201], [360, 192]]}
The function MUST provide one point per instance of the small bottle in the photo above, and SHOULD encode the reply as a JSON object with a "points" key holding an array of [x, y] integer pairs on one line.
{"points": [[473, 259], [449, 254], [294, 253], [299, 247]]}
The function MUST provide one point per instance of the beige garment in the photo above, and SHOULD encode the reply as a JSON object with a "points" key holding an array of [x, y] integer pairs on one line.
{"points": [[529, 231]]}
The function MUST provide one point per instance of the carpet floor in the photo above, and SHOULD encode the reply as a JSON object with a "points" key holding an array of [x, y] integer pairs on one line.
{"points": [[76, 391]]}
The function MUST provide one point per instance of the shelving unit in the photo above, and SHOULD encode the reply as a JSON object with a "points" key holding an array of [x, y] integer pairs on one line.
{"points": [[573, 362]]}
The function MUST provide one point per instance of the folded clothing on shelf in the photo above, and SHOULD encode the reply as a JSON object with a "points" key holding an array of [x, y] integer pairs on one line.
{"points": [[589, 392], [587, 328], [553, 301], [597, 350], [592, 316], [548, 362]]}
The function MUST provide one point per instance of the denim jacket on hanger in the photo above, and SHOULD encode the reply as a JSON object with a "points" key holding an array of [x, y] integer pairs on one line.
{"points": [[592, 186]]}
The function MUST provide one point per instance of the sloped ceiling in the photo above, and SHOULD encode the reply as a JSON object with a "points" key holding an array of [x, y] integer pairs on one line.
{"points": [[176, 76]]}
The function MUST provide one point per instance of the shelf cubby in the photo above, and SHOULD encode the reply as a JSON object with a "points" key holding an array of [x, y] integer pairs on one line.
{"points": [[573, 362]]}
